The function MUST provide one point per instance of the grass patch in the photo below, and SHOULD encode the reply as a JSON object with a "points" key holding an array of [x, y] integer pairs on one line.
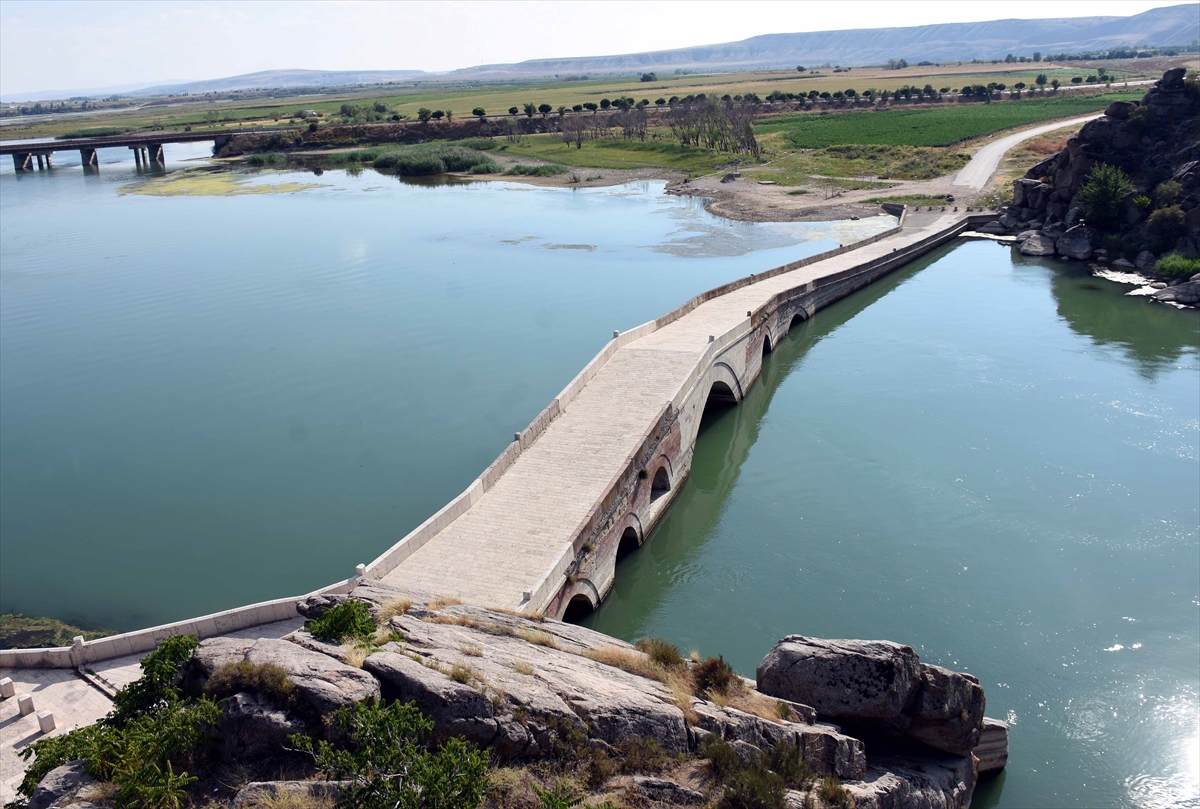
{"points": [[522, 667], [264, 679], [429, 159], [443, 601], [547, 170], [621, 154], [538, 638], [471, 650], [936, 126], [293, 799], [662, 652], [393, 608], [274, 159], [798, 192], [28, 632]]}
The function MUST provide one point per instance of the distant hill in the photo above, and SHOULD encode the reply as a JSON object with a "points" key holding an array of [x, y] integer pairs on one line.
{"points": [[1172, 25], [265, 79]]}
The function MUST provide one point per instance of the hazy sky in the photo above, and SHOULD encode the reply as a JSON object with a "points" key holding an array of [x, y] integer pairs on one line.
{"points": [[97, 43]]}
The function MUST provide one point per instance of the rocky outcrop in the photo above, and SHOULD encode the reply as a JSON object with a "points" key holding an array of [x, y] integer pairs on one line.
{"points": [[1185, 294], [259, 793], [323, 682], [880, 685], [992, 750], [61, 787], [525, 688], [1156, 142]]}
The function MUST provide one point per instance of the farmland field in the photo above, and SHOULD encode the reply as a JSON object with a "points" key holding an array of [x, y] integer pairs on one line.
{"points": [[940, 126]]}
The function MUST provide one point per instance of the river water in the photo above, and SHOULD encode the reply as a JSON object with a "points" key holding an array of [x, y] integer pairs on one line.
{"points": [[991, 459], [210, 400]]}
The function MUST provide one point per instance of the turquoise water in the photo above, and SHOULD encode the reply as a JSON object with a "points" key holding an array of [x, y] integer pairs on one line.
{"points": [[992, 459], [210, 401]]}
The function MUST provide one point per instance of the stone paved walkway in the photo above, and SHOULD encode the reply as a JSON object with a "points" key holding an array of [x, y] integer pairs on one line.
{"points": [[504, 543]]}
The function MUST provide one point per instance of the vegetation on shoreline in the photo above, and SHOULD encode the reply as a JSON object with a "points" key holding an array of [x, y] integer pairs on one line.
{"points": [[32, 632]]}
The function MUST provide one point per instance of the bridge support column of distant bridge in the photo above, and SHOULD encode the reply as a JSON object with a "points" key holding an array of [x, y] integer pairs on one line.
{"points": [[41, 162], [155, 153], [23, 161], [137, 155], [88, 158]]}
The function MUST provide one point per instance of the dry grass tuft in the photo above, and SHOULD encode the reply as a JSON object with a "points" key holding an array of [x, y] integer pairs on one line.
{"points": [[628, 660], [289, 799], [529, 616], [538, 638], [443, 601], [461, 675], [521, 667], [355, 654], [397, 606], [471, 650]]}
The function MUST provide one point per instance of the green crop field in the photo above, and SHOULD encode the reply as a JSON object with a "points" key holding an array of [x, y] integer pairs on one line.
{"points": [[939, 126]]}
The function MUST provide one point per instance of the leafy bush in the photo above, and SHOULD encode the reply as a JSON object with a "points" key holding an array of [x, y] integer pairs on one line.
{"points": [[722, 759], [390, 766], [563, 796], [1165, 226], [268, 159], [833, 794], [427, 159], [1167, 193], [660, 651], [1174, 265], [754, 789], [348, 621], [642, 755], [713, 674], [145, 744], [548, 170], [1104, 193]]}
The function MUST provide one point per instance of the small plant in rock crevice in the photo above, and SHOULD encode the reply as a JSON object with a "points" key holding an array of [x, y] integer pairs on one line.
{"points": [[348, 621]]}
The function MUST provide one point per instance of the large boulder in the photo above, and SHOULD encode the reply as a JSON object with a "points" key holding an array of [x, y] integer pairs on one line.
{"points": [[879, 686], [948, 710], [1037, 244], [855, 679], [324, 683], [1187, 294], [905, 782], [61, 786], [252, 727], [1075, 243]]}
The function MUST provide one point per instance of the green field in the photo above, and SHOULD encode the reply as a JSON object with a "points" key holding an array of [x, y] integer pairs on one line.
{"points": [[939, 126]]}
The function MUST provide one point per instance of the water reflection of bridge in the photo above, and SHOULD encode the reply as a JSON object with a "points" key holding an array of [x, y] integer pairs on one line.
{"points": [[147, 148]]}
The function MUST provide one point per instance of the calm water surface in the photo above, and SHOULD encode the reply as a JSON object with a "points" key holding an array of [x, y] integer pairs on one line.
{"points": [[994, 460], [208, 401]]}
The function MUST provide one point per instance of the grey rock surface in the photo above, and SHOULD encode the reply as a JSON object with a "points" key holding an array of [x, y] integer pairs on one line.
{"points": [[992, 750], [1187, 293], [257, 793], [1037, 244], [61, 786], [664, 791], [1075, 243], [842, 678], [252, 727], [948, 711]]}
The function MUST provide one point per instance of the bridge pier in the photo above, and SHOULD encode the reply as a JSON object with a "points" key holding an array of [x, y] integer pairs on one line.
{"points": [[155, 153], [137, 155], [41, 163], [88, 156], [23, 161]]}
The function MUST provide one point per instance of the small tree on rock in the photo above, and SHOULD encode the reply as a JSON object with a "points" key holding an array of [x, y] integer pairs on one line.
{"points": [[1103, 195]]}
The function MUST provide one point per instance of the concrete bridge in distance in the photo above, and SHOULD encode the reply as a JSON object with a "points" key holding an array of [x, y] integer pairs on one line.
{"points": [[541, 529], [147, 147]]}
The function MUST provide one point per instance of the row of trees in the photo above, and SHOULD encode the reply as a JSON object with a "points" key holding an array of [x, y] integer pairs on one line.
{"points": [[725, 125]]}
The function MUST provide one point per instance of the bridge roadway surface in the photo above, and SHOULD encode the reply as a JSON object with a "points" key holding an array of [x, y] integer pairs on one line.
{"points": [[503, 545]]}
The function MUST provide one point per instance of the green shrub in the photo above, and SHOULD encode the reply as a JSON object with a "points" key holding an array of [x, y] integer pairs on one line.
{"points": [[348, 621], [390, 766], [1174, 265], [145, 745], [563, 796], [1165, 226], [641, 755], [1103, 195], [722, 760], [713, 674], [1142, 201], [1167, 193], [413, 165], [660, 651], [548, 170], [787, 760], [833, 794], [427, 159], [754, 789]]}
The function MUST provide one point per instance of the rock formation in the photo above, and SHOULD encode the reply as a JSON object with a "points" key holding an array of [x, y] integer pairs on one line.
{"points": [[1156, 142]]}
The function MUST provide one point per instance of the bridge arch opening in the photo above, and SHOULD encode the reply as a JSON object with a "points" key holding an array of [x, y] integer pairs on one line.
{"points": [[767, 345], [579, 607], [628, 544], [660, 485]]}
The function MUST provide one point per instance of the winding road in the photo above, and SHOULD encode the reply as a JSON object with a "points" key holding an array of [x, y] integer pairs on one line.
{"points": [[983, 165]]}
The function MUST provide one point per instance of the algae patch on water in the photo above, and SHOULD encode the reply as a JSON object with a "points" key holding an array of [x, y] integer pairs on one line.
{"points": [[212, 182]]}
